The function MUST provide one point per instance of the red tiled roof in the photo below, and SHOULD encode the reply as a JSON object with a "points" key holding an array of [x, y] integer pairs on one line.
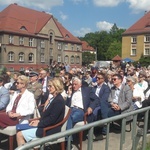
{"points": [[13, 17], [141, 26], [117, 57], [66, 34], [86, 46]]}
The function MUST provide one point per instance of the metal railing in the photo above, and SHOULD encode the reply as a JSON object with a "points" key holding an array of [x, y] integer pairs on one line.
{"points": [[90, 127]]}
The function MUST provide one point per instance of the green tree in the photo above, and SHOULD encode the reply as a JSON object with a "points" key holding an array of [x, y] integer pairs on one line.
{"points": [[87, 58]]}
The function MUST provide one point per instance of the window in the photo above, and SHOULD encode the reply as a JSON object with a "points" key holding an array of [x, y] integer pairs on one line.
{"points": [[51, 51], [42, 58], [133, 39], [31, 57], [72, 60], [66, 59], [147, 51], [147, 38], [11, 56], [23, 28], [72, 47], [66, 46], [11, 69], [59, 46], [21, 40], [11, 39], [133, 52], [78, 48], [51, 38], [59, 58], [42, 44], [77, 59], [31, 42], [21, 57]]}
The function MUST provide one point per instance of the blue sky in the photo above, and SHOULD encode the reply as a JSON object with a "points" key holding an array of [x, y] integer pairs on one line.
{"points": [[84, 16]]}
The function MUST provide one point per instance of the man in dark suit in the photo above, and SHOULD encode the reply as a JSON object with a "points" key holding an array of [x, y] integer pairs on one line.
{"points": [[102, 91], [4, 95], [80, 100], [44, 78]]}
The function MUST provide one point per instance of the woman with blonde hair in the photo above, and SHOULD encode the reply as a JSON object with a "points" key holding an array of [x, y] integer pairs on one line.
{"points": [[20, 106], [52, 114]]}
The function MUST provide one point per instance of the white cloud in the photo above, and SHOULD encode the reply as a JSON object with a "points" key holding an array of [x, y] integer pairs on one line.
{"points": [[79, 1], [139, 5], [41, 4], [63, 16], [107, 3], [103, 25], [82, 32]]}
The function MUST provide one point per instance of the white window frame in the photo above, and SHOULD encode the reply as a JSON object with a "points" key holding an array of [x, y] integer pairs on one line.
{"points": [[66, 46], [31, 42], [42, 58], [72, 47], [133, 52], [11, 56], [133, 39], [21, 57], [11, 39], [59, 58], [59, 46], [66, 59], [78, 48], [147, 51], [147, 38], [31, 56], [42, 44], [21, 40]]}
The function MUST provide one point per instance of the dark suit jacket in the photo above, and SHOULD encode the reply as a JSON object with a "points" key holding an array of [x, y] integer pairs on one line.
{"points": [[51, 116], [89, 100], [45, 95], [103, 100]]}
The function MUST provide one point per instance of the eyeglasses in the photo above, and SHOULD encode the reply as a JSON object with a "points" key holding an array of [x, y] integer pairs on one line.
{"points": [[50, 86], [128, 80], [19, 83], [99, 78], [114, 79]]}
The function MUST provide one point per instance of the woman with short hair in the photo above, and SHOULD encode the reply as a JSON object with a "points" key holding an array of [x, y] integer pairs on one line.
{"points": [[21, 105], [52, 114]]}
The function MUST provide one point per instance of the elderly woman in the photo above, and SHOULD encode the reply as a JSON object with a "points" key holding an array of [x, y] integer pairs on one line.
{"points": [[20, 106], [138, 94], [52, 114]]}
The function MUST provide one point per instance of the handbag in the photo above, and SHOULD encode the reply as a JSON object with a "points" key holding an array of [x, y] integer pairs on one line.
{"points": [[26, 126], [36, 113]]}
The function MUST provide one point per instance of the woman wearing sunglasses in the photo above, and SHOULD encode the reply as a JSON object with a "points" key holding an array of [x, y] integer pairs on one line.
{"points": [[21, 105]]}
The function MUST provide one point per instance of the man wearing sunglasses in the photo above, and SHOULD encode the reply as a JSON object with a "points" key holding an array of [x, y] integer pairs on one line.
{"points": [[120, 98]]}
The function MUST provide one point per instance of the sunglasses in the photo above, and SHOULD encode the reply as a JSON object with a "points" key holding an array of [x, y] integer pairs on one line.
{"points": [[19, 83], [99, 78], [114, 79]]}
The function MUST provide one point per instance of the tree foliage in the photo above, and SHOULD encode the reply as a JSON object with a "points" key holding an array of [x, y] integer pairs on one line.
{"points": [[87, 58], [107, 44]]}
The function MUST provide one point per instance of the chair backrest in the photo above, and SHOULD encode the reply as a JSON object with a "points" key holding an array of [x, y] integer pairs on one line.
{"points": [[66, 116]]}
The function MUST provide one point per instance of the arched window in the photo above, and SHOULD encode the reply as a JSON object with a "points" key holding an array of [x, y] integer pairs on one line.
{"points": [[51, 38], [31, 57], [11, 56], [72, 59], [21, 57], [66, 59]]}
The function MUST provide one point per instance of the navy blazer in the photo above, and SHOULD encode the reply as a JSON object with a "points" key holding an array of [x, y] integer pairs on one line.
{"points": [[51, 116], [89, 100], [103, 99]]}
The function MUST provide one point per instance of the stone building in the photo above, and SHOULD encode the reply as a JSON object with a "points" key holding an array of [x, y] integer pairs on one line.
{"points": [[30, 38]]}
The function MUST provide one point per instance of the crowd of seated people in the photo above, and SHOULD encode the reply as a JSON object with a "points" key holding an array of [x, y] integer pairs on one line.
{"points": [[99, 92]]}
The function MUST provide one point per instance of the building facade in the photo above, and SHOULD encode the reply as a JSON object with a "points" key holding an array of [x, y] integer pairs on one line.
{"points": [[136, 39], [29, 38]]}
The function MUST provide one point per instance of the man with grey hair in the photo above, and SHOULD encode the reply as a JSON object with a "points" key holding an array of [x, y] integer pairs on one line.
{"points": [[80, 100]]}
